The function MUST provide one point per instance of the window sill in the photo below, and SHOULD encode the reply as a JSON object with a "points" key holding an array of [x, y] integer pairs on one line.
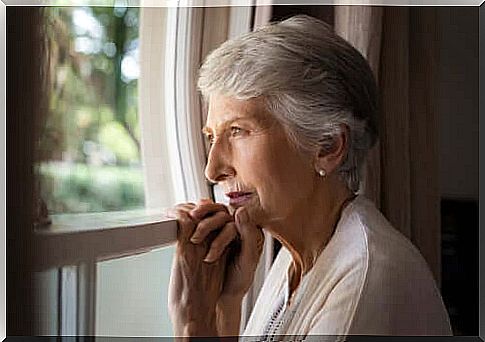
{"points": [[75, 238]]}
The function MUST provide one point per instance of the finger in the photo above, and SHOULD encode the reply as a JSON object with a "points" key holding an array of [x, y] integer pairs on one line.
{"points": [[210, 224], [206, 208], [218, 246], [172, 212], [252, 238], [186, 226]]}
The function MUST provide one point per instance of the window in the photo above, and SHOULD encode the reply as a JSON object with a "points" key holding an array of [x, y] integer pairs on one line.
{"points": [[90, 143], [128, 145], [91, 146]]}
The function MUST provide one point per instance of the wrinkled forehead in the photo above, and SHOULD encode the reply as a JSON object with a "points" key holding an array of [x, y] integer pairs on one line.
{"points": [[223, 109]]}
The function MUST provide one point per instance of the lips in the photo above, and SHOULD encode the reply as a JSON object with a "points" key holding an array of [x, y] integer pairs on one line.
{"points": [[238, 198]]}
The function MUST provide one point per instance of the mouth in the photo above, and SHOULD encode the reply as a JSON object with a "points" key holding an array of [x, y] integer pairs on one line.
{"points": [[239, 198]]}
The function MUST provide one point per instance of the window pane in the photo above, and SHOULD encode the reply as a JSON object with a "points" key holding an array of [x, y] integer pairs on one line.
{"points": [[47, 301], [132, 295], [90, 144]]}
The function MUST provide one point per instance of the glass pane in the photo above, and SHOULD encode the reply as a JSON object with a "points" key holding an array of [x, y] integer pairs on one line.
{"points": [[90, 144], [132, 295], [47, 301]]}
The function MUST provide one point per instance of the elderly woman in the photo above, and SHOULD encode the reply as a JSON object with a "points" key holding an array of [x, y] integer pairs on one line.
{"points": [[292, 113]]}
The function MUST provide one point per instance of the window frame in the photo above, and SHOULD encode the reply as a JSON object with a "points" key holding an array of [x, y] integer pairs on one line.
{"points": [[101, 236], [76, 248], [76, 242]]}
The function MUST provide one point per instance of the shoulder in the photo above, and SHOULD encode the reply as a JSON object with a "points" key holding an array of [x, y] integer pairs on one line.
{"points": [[390, 256], [375, 240], [398, 294]]}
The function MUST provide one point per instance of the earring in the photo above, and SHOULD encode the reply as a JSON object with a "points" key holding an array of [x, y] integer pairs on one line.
{"points": [[322, 172]]}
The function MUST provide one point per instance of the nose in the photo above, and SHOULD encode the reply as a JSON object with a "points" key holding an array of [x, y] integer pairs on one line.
{"points": [[219, 166]]}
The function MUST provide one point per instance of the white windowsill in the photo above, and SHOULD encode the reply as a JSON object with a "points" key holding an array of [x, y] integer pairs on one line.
{"points": [[75, 238]]}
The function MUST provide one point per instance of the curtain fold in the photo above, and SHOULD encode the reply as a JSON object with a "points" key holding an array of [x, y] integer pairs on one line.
{"points": [[424, 137], [394, 120], [401, 175], [362, 27]]}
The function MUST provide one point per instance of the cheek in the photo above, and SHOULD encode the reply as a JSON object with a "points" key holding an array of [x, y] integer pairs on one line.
{"points": [[274, 169], [257, 167], [255, 160]]}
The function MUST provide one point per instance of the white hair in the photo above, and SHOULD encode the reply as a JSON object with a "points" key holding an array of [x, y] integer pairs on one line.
{"points": [[311, 80]]}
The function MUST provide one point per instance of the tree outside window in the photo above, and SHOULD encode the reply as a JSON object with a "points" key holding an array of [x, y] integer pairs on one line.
{"points": [[90, 144]]}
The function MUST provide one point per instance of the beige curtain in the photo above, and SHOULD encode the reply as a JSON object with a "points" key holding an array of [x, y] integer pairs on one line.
{"points": [[401, 175]]}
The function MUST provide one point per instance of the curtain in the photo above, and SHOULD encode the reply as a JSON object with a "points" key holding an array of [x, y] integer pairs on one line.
{"points": [[401, 175], [26, 83]]}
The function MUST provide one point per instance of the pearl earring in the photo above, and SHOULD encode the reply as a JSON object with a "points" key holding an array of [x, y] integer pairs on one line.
{"points": [[322, 172]]}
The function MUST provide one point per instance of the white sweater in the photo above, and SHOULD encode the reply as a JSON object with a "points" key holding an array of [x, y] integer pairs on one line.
{"points": [[369, 280]]}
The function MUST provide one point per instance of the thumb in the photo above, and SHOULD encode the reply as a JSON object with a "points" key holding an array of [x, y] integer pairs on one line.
{"points": [[252, 237]]}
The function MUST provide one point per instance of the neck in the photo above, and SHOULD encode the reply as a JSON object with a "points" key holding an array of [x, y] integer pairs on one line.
{"points": [[307, 230]]}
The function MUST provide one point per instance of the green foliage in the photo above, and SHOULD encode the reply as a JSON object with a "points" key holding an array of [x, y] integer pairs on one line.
{"points": [[114, 136], [91, 133], [87, 50], [83, 188]]}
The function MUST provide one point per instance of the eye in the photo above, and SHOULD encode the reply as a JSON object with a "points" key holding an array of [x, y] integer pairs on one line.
{"points": [[210, 138], [235, 130]]}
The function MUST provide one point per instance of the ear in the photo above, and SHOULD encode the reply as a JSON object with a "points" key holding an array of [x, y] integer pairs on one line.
{"points": [[330, 159]]}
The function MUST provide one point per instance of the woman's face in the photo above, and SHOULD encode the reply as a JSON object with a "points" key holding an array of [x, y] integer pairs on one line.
{"points": [[254, 161]]}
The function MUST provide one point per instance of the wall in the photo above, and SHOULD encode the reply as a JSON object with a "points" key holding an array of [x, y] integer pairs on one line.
{"points": [[458, 102]]}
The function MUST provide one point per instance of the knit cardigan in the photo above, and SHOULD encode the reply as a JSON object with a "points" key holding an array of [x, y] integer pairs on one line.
{"points": [[369, 280]]}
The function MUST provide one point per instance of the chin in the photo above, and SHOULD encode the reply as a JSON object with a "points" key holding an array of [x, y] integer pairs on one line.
{"points": [[254, 208]]}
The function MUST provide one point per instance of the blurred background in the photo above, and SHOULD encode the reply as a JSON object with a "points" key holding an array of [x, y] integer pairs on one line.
{"points": [[90, 144]]}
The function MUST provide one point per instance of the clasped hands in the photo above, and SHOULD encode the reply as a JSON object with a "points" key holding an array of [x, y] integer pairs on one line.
{"points": [[214, 264]]}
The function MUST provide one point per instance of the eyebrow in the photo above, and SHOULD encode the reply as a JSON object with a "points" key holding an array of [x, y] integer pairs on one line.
{"points": [[207, 130]]}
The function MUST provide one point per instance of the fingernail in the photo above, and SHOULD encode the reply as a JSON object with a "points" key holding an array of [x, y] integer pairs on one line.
{"points": [[195, 239], [209, 258]]}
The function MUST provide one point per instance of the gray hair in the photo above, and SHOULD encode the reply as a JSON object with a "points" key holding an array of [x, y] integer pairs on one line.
{"points": [[311, 80]]}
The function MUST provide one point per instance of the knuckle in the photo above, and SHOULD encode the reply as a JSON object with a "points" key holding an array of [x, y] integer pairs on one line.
{"points": [[180, 213], [223, 208], [179, 206], [182, 216], [204, 209], [202, 228], [231, 226], [184, 206], [213, 222], [216, 246], [220, 216], [226, 216], [185, 223]]}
